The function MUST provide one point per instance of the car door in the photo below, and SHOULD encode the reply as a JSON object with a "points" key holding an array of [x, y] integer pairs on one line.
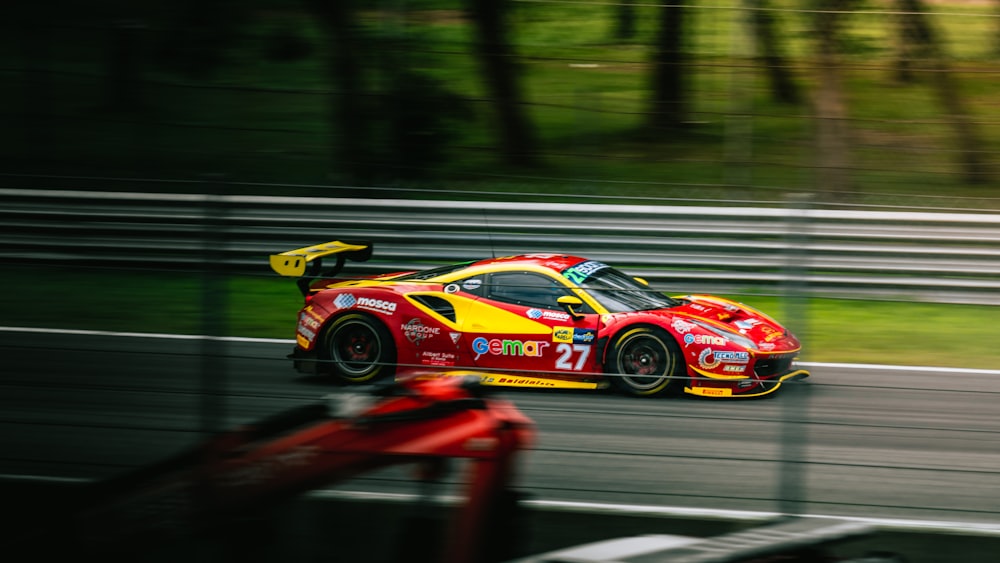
{"points": [[517, 323]]}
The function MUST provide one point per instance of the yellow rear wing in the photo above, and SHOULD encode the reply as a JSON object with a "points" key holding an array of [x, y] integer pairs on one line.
{"points": [[306, 261]]}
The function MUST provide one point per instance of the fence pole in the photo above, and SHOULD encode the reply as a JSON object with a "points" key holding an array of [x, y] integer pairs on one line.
{"points": [[795, 404], [214, 310]]}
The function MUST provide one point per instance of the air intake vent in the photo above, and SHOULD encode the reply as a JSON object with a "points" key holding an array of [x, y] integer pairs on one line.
{"points": [[437, 304]]}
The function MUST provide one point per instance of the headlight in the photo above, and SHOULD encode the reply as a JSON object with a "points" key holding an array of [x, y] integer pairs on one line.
{"points": [[734, 336]]}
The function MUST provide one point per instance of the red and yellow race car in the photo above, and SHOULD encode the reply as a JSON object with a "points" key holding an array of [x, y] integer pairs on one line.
{"points": [[534, 320]]}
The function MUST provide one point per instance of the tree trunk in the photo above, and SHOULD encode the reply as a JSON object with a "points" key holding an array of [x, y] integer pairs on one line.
{"points": [[517, 138], [831, 110], [625, 20], [669, 103], [124, 81], [931, 55], [783, 88], [996, 31], [905, 51], [347, 100]]}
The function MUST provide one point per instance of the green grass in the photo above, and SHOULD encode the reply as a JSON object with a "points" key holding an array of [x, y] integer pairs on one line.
{"points": [[265, 306], [888, 332], [166, 302]]}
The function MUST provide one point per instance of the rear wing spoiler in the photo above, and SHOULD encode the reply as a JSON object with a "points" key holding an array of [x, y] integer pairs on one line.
{"points": [[307, 261]]}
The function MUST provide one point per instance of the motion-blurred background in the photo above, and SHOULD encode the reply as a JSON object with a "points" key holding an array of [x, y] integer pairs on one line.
{"points": [[832, 162], [862, 101]]}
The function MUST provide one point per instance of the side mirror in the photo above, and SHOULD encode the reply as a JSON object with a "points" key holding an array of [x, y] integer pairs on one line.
{"points": [[642, 281], [570, 303]]}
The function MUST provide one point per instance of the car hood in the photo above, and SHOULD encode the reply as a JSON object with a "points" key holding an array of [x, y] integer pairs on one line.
{"points": [[764, 332]]}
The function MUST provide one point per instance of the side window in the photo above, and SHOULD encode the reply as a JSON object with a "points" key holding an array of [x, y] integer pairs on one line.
{"points": [[475, 285], [526, 289]]}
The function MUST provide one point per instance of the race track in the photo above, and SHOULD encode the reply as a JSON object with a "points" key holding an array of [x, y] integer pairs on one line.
{"points": [[881, 442]]}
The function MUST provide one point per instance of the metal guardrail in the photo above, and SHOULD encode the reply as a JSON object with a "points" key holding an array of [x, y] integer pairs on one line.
{"points": [[938, 257]]}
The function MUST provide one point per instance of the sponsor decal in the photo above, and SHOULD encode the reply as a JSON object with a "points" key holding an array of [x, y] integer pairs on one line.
{"points": [[575, 335], [535, 314], [770, 334], [765, 346], [306, 334], [308, 321], [682, 326], [733, 357], [734, 368], [377, 305], [497, 347], [746, 324], [472, 285], [583, 270], [562, 334], [714, 392], [437, 358], [698, 307], [744, 383], [416, 331], [312, 313], [707, 339], [707, 360], [348, 300], [521, 382], [710, 359], [526, 381], [455, 336], [344, 301], [307, 328]]}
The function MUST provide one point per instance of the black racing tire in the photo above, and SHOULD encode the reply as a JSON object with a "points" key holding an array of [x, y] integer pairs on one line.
{"points": [[645, 361], [359, 349]]}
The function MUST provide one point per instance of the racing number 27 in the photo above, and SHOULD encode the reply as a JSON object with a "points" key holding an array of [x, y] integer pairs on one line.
{"points": [[567, 352]]}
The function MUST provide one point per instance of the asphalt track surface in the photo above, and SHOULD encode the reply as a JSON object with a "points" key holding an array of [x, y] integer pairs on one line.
{"points": [[917, 445]]}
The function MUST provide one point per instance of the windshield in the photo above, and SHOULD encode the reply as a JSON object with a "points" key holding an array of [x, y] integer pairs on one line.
{"points": [[616, 291]]}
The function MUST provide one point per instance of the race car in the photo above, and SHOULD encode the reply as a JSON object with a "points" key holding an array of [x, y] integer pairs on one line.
{"points": [[532, 320]]}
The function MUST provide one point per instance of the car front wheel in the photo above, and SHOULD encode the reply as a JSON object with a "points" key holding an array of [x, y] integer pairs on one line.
{"points": [[644, 361], [360, 349]]}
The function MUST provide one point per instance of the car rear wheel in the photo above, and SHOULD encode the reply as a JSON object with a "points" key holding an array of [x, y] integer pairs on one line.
{"points": [[644, 361], [360, 349]]}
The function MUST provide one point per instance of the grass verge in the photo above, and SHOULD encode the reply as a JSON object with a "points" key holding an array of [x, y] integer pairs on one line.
{"points": [[832, 330]]}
